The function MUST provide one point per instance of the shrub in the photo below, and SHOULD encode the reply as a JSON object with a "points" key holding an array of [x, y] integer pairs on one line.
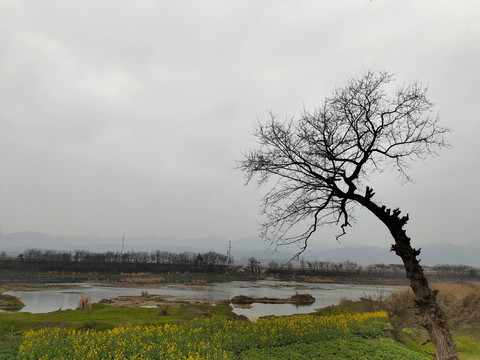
{"points": [[85, 303], [163, 310]]}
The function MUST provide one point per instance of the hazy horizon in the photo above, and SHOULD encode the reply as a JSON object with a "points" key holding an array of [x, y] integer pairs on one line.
{"points": [[244, 248]]}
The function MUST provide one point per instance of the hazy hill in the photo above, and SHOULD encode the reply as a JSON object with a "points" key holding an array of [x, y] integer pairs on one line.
{"points": [[241, 249]]}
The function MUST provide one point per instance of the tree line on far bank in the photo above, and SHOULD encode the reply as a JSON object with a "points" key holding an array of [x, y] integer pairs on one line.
{"points": [[114, 262], [162, 260], [154, 257], [331, 268]]}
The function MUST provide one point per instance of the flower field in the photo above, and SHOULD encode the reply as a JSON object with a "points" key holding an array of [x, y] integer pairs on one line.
{"points": [[346, 336]]}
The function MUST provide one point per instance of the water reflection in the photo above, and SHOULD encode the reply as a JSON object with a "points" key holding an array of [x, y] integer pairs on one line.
{"points": [[324, 294]]}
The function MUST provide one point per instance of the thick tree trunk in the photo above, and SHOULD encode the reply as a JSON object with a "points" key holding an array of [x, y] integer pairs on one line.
{"points": [[434, 318], [425, 298]]}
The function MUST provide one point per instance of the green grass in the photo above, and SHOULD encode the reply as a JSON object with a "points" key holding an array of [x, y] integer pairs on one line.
{"points": [[338, 349], [468, 348], [467, 338], [106, 317], [413, 341], [9, 347]]}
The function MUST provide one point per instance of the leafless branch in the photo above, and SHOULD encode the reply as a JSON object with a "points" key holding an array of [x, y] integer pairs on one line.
{"points": [[316, 162]]}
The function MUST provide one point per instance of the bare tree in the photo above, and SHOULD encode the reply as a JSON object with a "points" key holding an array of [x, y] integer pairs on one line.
{"points": [[318, 164]]}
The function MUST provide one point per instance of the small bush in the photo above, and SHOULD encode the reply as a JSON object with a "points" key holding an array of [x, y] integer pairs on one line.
{"points": [[345, 305], [85, 303], [163, 310], [145, 293], [372, 303]]}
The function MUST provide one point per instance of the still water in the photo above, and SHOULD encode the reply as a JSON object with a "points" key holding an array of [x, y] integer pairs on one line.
{"points": [[324, 294]]}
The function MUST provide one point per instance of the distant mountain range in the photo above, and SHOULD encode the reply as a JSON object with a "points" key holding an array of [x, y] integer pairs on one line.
{"points": [[241, 249]]}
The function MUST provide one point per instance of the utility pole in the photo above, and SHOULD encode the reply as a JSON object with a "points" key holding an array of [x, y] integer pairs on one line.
{"points": [[229, 252], [123, 242]]}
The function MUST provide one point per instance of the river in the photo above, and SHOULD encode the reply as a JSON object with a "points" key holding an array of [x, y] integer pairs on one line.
{"points": [[324, 294]]}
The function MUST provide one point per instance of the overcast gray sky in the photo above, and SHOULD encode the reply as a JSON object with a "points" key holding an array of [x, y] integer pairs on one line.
{"points": [[128, 116]]}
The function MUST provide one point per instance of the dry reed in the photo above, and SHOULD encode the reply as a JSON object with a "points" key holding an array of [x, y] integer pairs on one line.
{"points": [[137, 279], [198, 283], [460, 302]]}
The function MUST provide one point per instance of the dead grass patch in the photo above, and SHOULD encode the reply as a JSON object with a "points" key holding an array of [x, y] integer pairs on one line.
{"points": [[460, 302], [141, 279]]}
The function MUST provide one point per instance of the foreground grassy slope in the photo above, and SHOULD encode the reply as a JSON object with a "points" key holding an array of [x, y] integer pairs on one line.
{"points": [[346, 336]]}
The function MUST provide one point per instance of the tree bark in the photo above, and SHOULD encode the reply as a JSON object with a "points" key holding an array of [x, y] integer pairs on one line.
{"points": [[425, 298], [434, 319]]}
